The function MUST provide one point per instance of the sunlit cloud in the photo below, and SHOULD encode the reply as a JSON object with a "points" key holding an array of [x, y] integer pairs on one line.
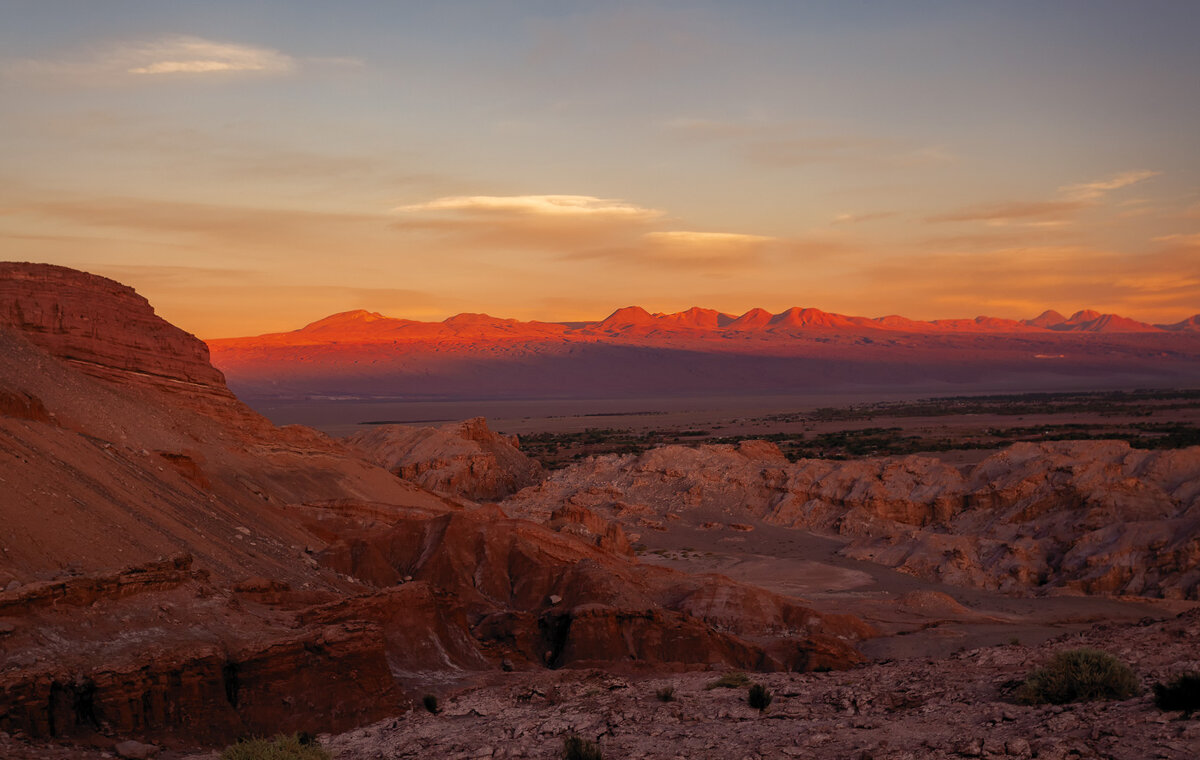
{"points": [[165, 57], [1088, 191], [857, 218], [194, 55], [543, 205]]}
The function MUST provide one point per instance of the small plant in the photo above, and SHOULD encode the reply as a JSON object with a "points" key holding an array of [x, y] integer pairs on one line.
{"points": [[294, 747], [431, 703], [731, 680], [1079, 675], [578, 748], [760, 697], [1182, 693], [666, 694]]}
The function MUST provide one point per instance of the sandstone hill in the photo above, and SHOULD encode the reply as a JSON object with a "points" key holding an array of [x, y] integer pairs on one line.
{"points": [[1091, 516], [176, 568]]}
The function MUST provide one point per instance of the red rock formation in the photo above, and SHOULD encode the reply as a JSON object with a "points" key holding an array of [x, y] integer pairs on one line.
{"points": [[100, 325]]}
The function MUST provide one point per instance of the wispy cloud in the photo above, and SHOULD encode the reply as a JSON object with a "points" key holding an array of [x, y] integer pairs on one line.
{"points": [[539, 205], [857, 218], [172, 56], [1089, 191], [1045, 213], [1005, 213], [1192, 239], [194, 55]]}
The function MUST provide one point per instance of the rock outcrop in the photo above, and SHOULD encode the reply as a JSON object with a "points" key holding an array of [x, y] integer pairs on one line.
{"points": [[102, 326], [1095, 516], [461, 458]]}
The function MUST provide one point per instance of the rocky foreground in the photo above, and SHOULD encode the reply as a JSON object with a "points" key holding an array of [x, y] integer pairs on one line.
{"points": [[960, 707], [957, 707]]}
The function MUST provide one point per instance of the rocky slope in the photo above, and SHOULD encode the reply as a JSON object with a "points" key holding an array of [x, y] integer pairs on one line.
{"points": [[1095, 516], [306, 587], [959, 707], [461, 458]]}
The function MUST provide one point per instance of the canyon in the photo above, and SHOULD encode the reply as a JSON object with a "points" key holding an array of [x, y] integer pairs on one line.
{"points": [[177, 570]]}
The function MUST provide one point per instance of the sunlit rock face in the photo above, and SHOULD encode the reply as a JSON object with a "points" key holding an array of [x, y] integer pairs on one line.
{"points": [[100, 325]]}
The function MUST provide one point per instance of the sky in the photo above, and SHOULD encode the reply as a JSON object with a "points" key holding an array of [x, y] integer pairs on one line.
{"points": [[252, 166]]}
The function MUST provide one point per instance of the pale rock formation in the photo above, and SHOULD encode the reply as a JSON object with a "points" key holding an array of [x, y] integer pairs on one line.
{"points": [[1095, 516], [461, 458]]}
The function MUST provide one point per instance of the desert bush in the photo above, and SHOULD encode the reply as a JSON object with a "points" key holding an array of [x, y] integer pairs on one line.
{"points": [[1182, 693], [731, 680], [1079, 675], [578, 748], [666, 694], [760, 697], [431, 703], [294, 747]]}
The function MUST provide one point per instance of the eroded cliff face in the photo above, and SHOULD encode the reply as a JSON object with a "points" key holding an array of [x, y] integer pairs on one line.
{"points": [[316, 585], [102, 326], [1095, 516]]}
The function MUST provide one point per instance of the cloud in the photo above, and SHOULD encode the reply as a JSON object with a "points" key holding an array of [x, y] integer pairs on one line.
{"points": [[1007, 213], [175, 56], [1191, 240], [580, 206], [1146, 286], [1089, 191], [178, 222], [857, 218], [1049, 213], [195, 55]]}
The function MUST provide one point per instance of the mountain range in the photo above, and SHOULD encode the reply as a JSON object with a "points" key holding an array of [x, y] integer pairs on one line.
{"points": [[634, 352]]}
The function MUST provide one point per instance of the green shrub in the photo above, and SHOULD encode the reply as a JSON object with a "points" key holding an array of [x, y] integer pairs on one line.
{"points": [[666, 694], [760, 697], [1079, 675], [294, 747], [578, 748], [431, 703], [731, 680], [1183, 693]]}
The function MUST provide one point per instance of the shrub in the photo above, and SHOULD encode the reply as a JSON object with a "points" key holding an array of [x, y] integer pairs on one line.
{"points": [[578, 748], [1079, 675], [1183, 693], [294, 747], [431, 703], [760, 697], [731, 680], [666, 694]]}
